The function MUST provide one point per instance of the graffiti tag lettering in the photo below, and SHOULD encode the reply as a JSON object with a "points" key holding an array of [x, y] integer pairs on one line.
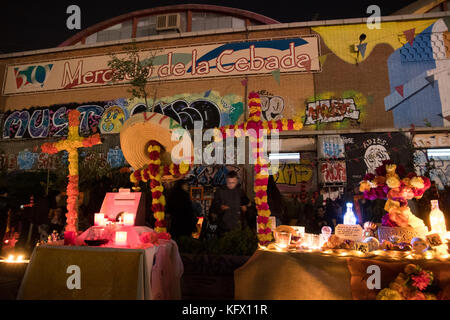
{"points": [[186, 113], [331, 110], [333, 172], [32, 75]]}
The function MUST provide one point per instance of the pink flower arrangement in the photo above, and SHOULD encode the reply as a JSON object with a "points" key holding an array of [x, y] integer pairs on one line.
{"points": [[410, 285], [422, 280], [393, 183]]}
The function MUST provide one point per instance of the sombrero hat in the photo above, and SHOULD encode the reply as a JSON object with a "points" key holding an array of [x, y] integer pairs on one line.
{"points": [[140, 129]]}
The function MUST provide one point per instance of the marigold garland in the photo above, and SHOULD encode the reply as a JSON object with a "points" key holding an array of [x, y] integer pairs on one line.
{"points": [[153, 173], [255, 123], [71, 145]]}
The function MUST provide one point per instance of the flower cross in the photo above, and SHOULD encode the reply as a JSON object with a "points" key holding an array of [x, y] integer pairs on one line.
{"points": [[71, 144], [261, 167]]}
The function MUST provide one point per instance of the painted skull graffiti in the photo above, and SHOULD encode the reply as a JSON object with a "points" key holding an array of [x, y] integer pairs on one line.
{"points": [[374, 157], [272, 107]]}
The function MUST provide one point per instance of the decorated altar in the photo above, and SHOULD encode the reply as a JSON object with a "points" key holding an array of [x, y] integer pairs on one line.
{"points": [[119, 257], [401, 259]]}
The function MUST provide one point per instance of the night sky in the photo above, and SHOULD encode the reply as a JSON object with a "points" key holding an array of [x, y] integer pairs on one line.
{"points": [[42, 24]]}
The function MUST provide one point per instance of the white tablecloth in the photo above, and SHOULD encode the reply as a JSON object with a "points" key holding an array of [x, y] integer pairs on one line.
{"points": [[160, 270]]}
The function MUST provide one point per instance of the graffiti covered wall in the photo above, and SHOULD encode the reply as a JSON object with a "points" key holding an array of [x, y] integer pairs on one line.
{"points": [[209, 108], [294, 178], [25, 155], [400, 70], [365, 152]]}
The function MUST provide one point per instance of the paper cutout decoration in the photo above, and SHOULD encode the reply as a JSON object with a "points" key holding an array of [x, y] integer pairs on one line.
{"points": [[362, 48], [244, 82], [276, 75], [410, 35], [430, 79], [322, 59], [399, 89]]}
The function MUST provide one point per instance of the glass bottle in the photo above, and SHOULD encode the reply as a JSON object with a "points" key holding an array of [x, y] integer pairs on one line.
{"points": [[349, 216], [437, 219]]}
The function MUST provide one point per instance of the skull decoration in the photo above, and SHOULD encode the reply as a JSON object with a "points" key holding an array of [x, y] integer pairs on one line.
{"points": [[370, 229], [394, 239], [373, 243], [419, 245]]}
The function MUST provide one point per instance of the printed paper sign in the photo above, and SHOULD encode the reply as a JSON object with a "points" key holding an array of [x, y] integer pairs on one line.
{"points": [[349, 232]]}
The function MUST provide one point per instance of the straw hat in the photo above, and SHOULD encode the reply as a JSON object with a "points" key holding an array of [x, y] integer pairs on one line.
{"points": [[140, 129]]}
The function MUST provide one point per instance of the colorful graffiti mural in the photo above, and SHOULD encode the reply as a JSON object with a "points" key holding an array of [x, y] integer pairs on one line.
{"points": [[420, 81], [366, 152], [272, 106], [294, 177], [440, 172], [50, 121], [27, 160], [212, 175], [325, 111], [417, 68], [332, 172], [340, 110], [211, 109], [339, 38], [32, 76], [330, 147]]}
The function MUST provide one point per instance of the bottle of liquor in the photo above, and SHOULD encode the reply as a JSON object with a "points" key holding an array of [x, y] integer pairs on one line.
{"points": [[437, 219], [349, 216]]}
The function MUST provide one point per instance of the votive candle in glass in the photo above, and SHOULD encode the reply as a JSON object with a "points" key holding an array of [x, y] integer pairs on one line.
{"points": [[121, 238], [283, 239], [128, 219], [99, 219]]}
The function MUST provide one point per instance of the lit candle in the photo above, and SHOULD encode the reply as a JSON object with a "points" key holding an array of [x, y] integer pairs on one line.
{"points": [[128, 219], [437, 219], [99, 219], [121, 238], [283, 239]]}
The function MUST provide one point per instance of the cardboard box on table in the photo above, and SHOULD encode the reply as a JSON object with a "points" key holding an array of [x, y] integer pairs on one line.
{"points": [[124, 201]]}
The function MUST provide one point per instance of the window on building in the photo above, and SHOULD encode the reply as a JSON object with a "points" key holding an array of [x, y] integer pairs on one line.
{"points": [[238, 23], [91, 39], [146, 26], [210, 21], [117, 32]]}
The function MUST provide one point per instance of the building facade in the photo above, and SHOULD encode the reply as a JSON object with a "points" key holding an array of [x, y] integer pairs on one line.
{"points": [[365, 94]]}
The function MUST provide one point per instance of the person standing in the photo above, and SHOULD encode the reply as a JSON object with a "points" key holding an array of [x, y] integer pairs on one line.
{"points": [[330, 213], [319, 221], [228, 202], [4, 207], [276, 202], [179, 208]]}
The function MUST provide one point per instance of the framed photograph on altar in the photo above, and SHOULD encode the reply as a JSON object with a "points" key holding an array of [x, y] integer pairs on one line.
{"points": [[196, 193], [272, 223]]}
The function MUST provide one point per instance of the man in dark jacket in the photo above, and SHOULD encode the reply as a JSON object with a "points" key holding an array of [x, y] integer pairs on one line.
{"points": [[228, 203]]}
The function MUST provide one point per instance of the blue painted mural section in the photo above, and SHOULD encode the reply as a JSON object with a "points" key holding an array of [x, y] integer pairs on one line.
{"points": [[408, 66]]}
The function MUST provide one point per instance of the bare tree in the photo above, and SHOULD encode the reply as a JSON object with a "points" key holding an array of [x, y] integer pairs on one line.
{"points": [[133, 68]]}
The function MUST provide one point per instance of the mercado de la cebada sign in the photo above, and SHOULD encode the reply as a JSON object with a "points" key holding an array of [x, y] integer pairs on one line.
{"points": [[299, 54]]}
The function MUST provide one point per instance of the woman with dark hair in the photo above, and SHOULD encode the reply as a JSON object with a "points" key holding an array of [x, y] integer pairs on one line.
{"points": [[179, 208], [57, 220], [275, 200]]}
